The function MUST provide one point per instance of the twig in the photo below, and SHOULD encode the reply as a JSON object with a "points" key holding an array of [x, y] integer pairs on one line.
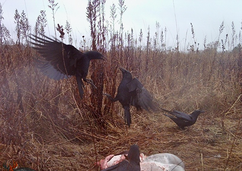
{"points": [[228, 110], [94, 144], [233, 105], [231, 149], [78, 108], [202, 161]]}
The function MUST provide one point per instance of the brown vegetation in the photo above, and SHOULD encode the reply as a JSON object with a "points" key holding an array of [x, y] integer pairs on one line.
{"points": [[44, 124]]}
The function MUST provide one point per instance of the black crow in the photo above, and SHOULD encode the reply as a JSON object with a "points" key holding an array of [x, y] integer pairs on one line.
{"points": [[182, 119], [132, 92], [59, 60], [131, 163]]}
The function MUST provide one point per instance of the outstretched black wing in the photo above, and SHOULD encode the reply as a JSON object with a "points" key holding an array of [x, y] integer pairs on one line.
{"points": [[49, 70], [57, 59], [140, 97]]}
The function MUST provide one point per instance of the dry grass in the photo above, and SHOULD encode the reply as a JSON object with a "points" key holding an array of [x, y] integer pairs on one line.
{"points": [[44, 124]]}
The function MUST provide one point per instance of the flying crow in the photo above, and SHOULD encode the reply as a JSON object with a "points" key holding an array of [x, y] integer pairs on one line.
{"points": [[59, 60]]}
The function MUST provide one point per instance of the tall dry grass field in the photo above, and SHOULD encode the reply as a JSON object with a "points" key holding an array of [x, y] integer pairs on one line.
{"points": [[46, 126]]}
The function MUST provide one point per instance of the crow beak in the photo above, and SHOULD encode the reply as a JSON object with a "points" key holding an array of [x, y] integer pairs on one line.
{"points": [[122, 69]]}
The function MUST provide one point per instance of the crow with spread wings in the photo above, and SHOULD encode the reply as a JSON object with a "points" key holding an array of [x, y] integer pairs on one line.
{"points": [[59, 61], [132, 92]]}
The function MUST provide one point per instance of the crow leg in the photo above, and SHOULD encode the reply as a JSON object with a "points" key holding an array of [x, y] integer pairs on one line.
{"points": [[110, 97], [89, 81], [80, 86], [127, 116]]}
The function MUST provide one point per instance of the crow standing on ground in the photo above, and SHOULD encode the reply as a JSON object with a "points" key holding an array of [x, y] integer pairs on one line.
{"points": [[59, 60], [182, 119], [132, 92], [132, 163]]}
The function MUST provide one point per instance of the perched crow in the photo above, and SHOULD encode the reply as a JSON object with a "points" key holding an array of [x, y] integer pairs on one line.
{"points": [[132, 163], [183, 119], [132, 92], [59, 60]]}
